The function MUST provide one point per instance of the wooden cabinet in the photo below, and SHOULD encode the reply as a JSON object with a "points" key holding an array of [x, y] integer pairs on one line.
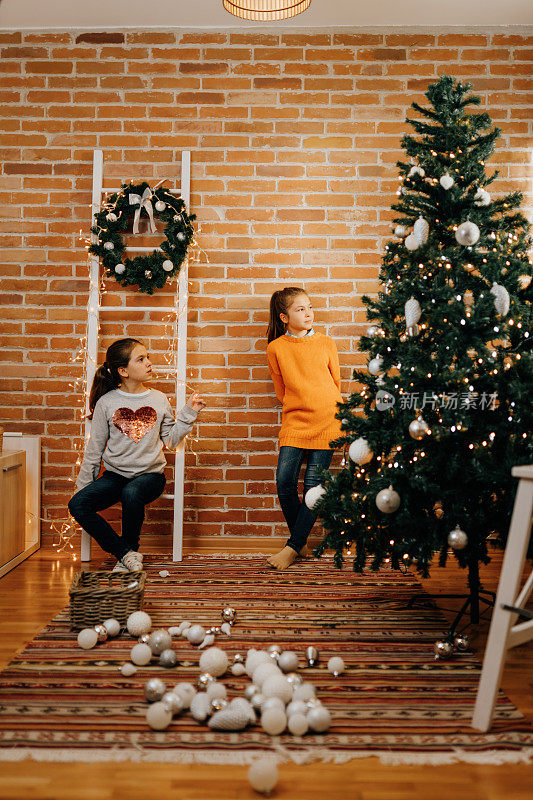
{"points": [[12, 508]]}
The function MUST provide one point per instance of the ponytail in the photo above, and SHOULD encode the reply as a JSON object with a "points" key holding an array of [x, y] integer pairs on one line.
{"points": [[107, 376], [280, 302]]}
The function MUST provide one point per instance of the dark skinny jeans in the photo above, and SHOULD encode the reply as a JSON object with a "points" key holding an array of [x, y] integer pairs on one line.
{"points": [[299, 518], [133, 493]]}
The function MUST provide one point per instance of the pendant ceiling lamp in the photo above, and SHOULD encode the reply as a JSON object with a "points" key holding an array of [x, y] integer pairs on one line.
{"points": [[265, 10]]}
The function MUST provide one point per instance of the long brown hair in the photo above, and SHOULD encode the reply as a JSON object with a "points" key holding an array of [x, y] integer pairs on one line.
{"points": [[107, 378], [280, 302]]}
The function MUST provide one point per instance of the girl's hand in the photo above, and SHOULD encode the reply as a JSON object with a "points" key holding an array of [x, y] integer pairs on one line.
{"points": [[196, 402]]}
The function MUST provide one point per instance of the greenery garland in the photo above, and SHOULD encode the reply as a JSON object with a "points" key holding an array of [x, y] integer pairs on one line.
{"points": [[150, 271]]}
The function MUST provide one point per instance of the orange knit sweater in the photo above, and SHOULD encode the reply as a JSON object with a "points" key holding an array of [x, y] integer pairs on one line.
{"points": [[306, 376]]}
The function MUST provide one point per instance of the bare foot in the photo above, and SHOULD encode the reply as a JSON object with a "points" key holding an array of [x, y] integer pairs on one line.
{"points": [[283, 559], [305, 552]]}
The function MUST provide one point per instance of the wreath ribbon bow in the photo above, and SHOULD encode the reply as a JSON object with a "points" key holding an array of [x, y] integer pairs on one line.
{"points": [[143, 202]]}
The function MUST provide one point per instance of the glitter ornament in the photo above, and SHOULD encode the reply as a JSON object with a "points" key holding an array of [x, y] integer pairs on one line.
{"points": [[258, 700], [457, 539], [112, 627], [250, 690], [141, 654], [185, 691], [313, 495], [173, 702], [204, 680], [411, 242], [359, 451], [443, 650], [154, 689], [158, 716], [120, 269], [128, 669], [502, 300], [183, 626], [416, 171], [229, 719], [138, 623], [168, 659], [319, 719], [446, 181], [215, 661], [195, 634], [388, 501], [216, 689], [336, 666], [167, 265], [159, 640], [180, 237], [160, 205], [244, 706], [467, 233], [375, 365], [200, 707], [87, 638], [413, 312], [254, 658], [421, 231], [298, 724], [164, 573], [109, 246], [418, 428], [101, 632], [288, 661], [274, 721], [263, 775], [400, 230], [277, 686]]}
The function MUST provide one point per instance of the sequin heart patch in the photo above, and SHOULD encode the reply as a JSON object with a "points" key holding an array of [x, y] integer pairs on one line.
{"points": [[135, 424]]}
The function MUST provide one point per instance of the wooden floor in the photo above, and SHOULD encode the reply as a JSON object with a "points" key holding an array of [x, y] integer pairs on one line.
{"points": [[36, 590]]}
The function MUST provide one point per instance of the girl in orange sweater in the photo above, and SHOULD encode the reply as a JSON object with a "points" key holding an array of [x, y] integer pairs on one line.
{"points": [[304, 366]]}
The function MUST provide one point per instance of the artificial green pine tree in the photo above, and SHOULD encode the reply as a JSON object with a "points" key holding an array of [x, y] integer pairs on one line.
{"points": [[445, 410]]}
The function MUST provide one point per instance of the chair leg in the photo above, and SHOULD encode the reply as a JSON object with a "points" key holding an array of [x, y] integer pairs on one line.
{"points": [[85, 546], [502, 621]]}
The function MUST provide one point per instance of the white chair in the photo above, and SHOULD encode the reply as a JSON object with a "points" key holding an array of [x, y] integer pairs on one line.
{"points": [[505, 632]]}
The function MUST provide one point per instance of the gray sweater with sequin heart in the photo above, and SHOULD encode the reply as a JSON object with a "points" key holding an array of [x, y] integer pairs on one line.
{"points": [[128, 432]]}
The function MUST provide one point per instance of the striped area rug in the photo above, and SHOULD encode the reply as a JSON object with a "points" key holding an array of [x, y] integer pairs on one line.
{"points": [[58, 702]]}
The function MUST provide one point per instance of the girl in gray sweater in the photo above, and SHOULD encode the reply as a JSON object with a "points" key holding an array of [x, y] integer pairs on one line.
{"points": [[130, 424]]}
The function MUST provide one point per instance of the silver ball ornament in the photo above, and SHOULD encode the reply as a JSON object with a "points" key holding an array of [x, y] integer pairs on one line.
{"points": [[204, 680], [375, 365], [160, 205], [154, 689], [418, 428], [446, 181], [274, 651], [400, 230], [467, 233], [294, 679], [218, 703], [101, 632], [139, 622], [168, 659], [443, 649], [195, 634], [144, 639], [229, 614], [461, 643], [388, 501], [457, 539], [373, 330], [160, 640], [173, 702]]}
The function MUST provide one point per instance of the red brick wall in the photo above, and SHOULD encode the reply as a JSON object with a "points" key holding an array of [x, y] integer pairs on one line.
{"points": [[294, 140]]}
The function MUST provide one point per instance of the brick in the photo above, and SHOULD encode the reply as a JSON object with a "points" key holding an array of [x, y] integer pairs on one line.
{"points": [[100, 37]]}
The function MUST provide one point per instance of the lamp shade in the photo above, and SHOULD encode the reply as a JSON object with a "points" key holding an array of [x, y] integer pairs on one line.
{"points": [[265, 10]]}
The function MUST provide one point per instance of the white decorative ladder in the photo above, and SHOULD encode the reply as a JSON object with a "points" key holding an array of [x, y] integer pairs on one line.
{"points": [[94, 308]]}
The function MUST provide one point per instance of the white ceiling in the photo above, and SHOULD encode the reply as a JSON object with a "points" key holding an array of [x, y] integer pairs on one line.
{"points": [[109, 14]]}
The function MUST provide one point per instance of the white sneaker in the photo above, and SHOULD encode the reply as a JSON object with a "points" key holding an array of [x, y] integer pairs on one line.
{"points": [[120, 567], [132, 561]]}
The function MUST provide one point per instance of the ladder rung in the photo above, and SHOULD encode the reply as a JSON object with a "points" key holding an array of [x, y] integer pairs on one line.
{"points": [[166, 309]]}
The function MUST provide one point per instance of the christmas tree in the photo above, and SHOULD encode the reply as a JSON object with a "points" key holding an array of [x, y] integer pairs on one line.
{"points": [[444, 410]]}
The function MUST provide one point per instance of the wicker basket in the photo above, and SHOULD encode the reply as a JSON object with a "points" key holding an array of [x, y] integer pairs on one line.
{"points": [[96, 596]]}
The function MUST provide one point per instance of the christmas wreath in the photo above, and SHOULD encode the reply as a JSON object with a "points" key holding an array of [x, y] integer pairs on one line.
{"points": [[150, 271]]}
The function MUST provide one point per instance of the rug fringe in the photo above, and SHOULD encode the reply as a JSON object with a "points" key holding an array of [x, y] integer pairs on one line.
{"points": [[280, 754]]}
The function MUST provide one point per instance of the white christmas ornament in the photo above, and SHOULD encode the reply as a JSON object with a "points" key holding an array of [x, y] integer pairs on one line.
{"points": [[238, 670], [264, 671], [226, 628], [87, 638], [387, 500], [502, 300], [160, 205], [215, 661], [313, 495], [168, 266], [296, 707], [274, 721], [413, 312], [457, 539], [277, 686], [481, 197], [158, 716], [195, 634], [109, 246], [209, 639], [288, 661], [272, 702], [263, 775], [216, 689], [229, 719], [183, 626], [319, 719], [416, 171], [120, 269], [139, 623], [375, 365], [111, 217], [446, 181], [186, 691], [298, 724], [304, 692], [243, 704], [421, 231], [200, 706], [336, 665], [411, 242], [254, 658], [141, 654], [112, 626], [128, 669], [400, 230], [359, 451], [467, 233]]}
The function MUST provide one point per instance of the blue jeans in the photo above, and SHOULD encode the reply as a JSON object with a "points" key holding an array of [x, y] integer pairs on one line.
{"points": [[110, 488], [299, 518]]}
